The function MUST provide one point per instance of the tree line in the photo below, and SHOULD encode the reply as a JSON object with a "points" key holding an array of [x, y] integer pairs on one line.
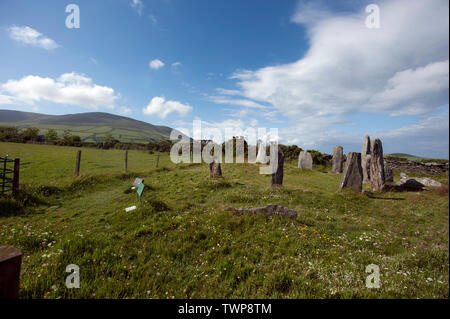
{"points": [[32, 135]]}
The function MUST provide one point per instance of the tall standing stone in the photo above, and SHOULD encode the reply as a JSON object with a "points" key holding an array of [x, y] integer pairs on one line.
{"points": [[277, 176], [214, 169], [365, 159], [377, 175], [389, 175], [305, 160], [261, 157], [337, 160], [353, 173]]}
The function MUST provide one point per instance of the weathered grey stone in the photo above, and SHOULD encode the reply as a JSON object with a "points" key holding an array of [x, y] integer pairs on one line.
{"points": [[305, 160], [277, 176], [261, 157], [269, 210], [353, 174], [425, 181], [389, 175], [365, 159], [214, 169], [10, 264], [377, 174], [338, 160]]}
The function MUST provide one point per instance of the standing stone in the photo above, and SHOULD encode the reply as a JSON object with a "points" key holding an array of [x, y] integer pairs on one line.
{"points": [[10, 263], [377, 177], [365, 159], [277, 177], [337, 160], [214, 169], [353, 173], [305, 160], [389, 176], [261, 157]]}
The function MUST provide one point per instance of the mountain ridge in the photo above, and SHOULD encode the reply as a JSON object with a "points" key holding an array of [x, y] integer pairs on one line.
{"points": [[90, 126]]}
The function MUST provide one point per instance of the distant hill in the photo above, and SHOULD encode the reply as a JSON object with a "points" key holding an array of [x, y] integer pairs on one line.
{"points": [[91, 126], [407, 156]]}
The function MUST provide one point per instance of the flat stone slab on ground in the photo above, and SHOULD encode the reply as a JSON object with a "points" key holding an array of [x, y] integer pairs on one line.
{"points": [[269, 210]]}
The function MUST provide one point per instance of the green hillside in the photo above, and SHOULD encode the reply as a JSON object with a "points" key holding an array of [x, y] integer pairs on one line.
{"points": [[406, 156], [91, 126]]}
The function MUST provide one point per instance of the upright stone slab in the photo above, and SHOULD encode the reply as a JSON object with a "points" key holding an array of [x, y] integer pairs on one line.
{"points": [[305, 160], [389, 175], [353, 173], [261, 157], [277, 177], [365, 159], [10, 263], [377, 175], [214, 169], [337, 160]]}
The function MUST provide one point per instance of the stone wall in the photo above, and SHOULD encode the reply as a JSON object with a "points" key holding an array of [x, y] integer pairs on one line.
{"points": [[417, 168]]}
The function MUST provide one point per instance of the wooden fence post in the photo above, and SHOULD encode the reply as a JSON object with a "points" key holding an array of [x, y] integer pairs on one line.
{"points": [[126, 160], [157, 160], [10, 263], [77, 167], [15, 183]]}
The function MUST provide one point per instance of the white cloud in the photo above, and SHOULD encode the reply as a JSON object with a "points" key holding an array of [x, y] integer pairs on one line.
{"points": [[399, 69], [228, 92], [138, 6], [239, 102], [156, 64], [124, 110], [5, 99], [70, 88], [176, 64], [93, 60], [30, 36], [420, 89], [160, 107]]}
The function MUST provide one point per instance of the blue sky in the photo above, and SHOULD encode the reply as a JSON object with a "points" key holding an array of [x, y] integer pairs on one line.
{"points": [[312, 69]]}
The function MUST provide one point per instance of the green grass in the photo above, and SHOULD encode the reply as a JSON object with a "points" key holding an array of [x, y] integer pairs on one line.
{"points": [[180, 243]]}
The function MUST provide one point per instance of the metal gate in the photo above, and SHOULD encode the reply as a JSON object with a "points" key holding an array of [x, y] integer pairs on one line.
{"points": [[9, 175]]}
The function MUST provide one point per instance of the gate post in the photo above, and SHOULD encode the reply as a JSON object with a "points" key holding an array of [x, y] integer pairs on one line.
{"points": [[15, 183]]}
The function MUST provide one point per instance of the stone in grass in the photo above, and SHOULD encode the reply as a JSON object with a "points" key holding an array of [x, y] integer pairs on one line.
{"points": [[353, 174], [389, 175], [377, 174], [305, 160], [269, 210], [365, 159], [277, 176], [215, 169], [337, 160]]}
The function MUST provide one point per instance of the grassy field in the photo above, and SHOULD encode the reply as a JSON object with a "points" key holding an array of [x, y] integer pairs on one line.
{"points": [[181, 243]]}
